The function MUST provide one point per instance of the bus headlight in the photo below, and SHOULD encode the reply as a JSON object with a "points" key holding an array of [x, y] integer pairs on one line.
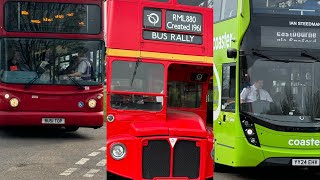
{"points": [[249, 130], [118, 151], [110, 118], [14, 102], [92, 103]]}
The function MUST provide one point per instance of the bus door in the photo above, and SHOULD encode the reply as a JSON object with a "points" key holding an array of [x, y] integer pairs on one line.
{"points": [[225, 132], [210, 103]]}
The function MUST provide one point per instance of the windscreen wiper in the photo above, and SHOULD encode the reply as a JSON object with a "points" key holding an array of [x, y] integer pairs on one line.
{"points": [[135, 71], [277, 60], [76, 82], [306, 54], [32, 81], [39, 74], [256, 53]]}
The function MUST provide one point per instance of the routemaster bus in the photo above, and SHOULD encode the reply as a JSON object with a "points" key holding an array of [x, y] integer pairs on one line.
{"points": [[159, 65], [267, 54], [52, 63]]}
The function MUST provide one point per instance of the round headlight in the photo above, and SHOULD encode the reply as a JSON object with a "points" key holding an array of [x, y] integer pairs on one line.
{"points": [[110, 118], [92, 103], [246, 123], [249, 132], [118, 151], [14, 102], [253, 140]]}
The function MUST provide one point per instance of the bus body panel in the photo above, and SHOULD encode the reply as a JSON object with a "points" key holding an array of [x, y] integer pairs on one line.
{"points": [[42, 98], [83, 119], [50, 100], [133, 159], [137, 127], [133, 39], [232, 148]]}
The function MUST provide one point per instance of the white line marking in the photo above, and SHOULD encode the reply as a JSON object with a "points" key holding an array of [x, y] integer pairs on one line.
{"points": [[91, 172], [101, 163], [83, 161], [102, 149], [93, 154], [68, 171]]}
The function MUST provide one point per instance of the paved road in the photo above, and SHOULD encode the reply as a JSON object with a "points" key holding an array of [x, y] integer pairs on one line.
{"points": [[52, 154], [268, 174]]}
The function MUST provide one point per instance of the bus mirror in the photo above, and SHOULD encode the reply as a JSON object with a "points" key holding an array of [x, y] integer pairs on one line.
{"points": [[231, 53]]}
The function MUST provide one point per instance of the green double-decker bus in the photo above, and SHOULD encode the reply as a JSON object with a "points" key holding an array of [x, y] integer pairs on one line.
{"points": [[266, 83]]}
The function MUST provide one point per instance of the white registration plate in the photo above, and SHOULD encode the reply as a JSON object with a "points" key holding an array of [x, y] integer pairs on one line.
{"points": [[305, 162], [53, 121]]}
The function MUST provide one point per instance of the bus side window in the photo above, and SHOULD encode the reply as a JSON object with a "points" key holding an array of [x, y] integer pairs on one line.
{"points": [[216, 5], [228, 87], [228, 9]]}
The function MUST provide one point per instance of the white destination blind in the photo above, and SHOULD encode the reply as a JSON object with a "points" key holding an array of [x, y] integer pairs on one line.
{"points": [[183, 21], [172, 37]]}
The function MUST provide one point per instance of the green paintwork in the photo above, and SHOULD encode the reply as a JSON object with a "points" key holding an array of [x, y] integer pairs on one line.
{"points": [[231, 146]]}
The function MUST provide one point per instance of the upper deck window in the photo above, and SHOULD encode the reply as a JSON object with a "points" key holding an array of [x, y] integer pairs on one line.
{"points": [[202, 3], [52, 17], [224, 9], [290, 7]]}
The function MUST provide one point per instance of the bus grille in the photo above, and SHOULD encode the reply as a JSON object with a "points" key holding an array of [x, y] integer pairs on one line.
{"points": [[156, 159], [186, 159]]}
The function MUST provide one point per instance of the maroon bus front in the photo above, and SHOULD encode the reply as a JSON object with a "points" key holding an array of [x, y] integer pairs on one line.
{"points": [[52, 63]]}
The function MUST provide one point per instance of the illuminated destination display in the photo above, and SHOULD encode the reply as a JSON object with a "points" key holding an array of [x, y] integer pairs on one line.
{"points": [[289, 37]]}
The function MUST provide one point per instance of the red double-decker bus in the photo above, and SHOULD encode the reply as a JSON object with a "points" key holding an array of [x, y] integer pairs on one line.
{"points": [[159, 64], [52, 63]]}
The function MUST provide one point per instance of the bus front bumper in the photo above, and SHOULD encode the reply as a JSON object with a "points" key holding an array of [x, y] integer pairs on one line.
{"points": [[251, 156], [137, 150], [80, 119]]}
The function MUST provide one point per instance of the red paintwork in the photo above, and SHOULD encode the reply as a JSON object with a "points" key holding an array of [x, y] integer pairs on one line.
{"points": [[132, 128], [124, 28], [54, 101]]}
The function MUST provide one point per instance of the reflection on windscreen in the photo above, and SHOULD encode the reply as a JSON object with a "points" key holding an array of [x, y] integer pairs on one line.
{"points": [[202, 3], [184, 94], [291, 7], [52, 17], [51, 61], [136, 102], [290, 93], [137, 76]]}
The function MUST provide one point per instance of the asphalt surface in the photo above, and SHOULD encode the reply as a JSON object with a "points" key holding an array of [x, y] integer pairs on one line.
{"points": [[33, 153], [277, 173]]}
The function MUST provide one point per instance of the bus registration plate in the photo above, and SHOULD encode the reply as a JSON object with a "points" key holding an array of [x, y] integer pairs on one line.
{"points": [[305, 162], [53, 121]]}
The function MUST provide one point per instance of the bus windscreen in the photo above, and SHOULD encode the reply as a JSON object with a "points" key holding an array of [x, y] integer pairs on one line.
{"points": [[51, 61]]}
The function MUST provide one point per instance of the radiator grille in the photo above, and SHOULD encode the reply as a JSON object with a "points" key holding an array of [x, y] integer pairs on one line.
{"points": [[156, 159], [186, 159]]}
